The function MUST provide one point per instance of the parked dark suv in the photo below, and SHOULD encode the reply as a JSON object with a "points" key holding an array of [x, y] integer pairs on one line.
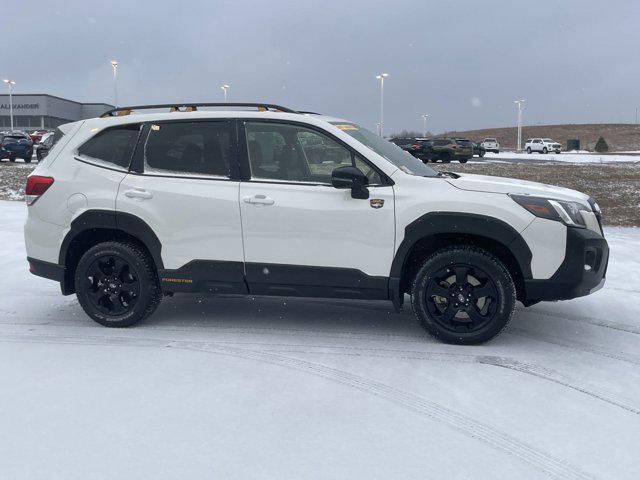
{"points": [[447, 149], [16, 145]]}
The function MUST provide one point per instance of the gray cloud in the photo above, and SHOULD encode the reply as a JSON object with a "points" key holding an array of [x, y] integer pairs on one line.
{"points": [[464, 62]]}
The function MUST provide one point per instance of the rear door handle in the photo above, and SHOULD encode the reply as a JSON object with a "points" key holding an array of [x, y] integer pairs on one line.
{"points": [[138, 193], [259, 200]]}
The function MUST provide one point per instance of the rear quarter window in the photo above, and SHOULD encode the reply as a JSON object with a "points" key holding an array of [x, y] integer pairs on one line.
{"points": [[113, 146]]}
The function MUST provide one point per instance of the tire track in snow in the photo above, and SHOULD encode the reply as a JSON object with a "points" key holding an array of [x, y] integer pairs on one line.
{"points": [[623, 327], [552, 466], [574, 345], [491, 360]]}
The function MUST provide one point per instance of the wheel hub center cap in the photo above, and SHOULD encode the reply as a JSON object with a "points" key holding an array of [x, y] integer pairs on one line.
{"points": [[461, 297]]}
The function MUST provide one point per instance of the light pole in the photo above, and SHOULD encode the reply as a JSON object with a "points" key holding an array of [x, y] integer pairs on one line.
{"points": [[224, 88], [10, 84], [381, 77], [114, 65], [637, 114], [424, 124], [519, 104]]}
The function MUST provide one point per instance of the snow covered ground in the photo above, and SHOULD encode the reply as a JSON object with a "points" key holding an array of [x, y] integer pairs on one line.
{"points": [[581, 157], [306, 389]]}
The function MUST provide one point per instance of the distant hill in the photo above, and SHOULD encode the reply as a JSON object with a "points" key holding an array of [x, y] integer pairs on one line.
{"points": [[619, 136]]}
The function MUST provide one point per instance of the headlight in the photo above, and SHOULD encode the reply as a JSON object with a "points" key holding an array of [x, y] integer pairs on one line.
{"points": [[569, 213]]}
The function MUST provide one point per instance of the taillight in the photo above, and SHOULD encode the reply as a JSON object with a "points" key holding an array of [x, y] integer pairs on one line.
{"points": [[36, 186], [415, 146]]}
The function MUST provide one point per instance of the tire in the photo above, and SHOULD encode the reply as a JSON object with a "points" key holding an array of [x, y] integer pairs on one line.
{"points": [[463, 160], [557, 152], [12, 159], [529, 150], [445, 317], [117, 284], [482, 154], [27, 160], [446, 158], [544, 150]]}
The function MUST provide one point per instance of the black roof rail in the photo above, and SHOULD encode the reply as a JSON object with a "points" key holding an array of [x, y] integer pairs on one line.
{"points": [[309, 113], [192, 107]]}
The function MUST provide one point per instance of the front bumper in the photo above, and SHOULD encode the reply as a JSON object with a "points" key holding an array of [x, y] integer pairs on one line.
{"points": [[582, 272]]}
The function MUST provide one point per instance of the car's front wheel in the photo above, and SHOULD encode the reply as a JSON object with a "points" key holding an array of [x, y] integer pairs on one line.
{"points": [[529, 150], [463, 295], [545, 151], [117, 284]]}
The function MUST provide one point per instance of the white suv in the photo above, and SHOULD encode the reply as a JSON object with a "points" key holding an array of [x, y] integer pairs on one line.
{"points": [[491, 145], [542, 145], [133, 206]]}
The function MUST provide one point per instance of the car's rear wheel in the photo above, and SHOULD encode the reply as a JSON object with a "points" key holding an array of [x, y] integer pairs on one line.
{"points": [[463, 160], [117, 284], [463, 295], [545, 151], [27, 160], [12, 159]]}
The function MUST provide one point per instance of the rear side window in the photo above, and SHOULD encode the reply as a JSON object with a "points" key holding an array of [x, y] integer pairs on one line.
{"points": [[189, 148], [113, 145]]}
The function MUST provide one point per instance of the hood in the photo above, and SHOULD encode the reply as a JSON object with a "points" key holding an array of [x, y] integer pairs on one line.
{"points": [[485, 183]]}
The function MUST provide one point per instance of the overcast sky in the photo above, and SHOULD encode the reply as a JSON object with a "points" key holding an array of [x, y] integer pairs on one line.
{"points": [[463, 62]]}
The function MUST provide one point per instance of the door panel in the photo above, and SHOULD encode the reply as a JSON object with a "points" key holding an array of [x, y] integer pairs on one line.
{"points": [[317, 225], [187, 198], [194, 219]]}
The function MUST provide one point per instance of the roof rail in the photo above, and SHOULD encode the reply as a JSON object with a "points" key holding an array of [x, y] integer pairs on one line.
{"points": [[192, 107]]}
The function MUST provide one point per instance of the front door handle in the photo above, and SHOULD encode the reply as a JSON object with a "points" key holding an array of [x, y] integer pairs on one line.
{"points": [[138, 193], [259, 200]]}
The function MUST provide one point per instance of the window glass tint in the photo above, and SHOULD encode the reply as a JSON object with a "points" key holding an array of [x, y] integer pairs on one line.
{"points": [[296, 154], [394, 154], [191, 148], [113, 145]]}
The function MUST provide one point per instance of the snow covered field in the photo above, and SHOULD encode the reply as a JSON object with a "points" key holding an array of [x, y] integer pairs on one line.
{"points": [[306, 389], [581, 157]]}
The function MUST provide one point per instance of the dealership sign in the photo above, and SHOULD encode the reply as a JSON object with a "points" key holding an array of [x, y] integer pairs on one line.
{"points": [[20, 106]]}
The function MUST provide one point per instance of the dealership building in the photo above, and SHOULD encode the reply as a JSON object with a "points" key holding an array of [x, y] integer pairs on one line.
{"points": [[45, 112]]}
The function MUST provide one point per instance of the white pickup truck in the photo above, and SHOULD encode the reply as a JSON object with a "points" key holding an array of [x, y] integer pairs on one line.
{"points": [[491, 145]]}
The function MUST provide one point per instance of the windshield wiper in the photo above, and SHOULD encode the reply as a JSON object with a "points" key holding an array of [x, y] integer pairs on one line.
{"points": [[448, 174]]}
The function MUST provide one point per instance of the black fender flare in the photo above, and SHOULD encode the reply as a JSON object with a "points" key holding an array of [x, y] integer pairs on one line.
{"points": [[117, 222], [435, 223]]}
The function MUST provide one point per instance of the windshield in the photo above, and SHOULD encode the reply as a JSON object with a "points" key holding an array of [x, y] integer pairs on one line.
{"points": [[401, 159], [12, 138]]}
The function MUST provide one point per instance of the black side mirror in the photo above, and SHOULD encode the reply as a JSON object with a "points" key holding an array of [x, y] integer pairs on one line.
{"points": [[353, 178]]}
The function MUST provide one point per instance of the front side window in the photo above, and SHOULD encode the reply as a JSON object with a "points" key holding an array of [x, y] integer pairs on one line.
{"points": [[394, 154], [113, 145], [189, 148], [294, 153]]}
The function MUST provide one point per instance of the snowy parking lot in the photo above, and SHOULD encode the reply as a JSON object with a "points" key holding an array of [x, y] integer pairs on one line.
{"points": [[224, 387], [564, 157]]}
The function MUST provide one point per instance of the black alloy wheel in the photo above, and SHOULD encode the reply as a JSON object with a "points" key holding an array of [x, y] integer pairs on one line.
{"points": [[117, 284], [113, 285], [461, 298], [463, 295]]}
